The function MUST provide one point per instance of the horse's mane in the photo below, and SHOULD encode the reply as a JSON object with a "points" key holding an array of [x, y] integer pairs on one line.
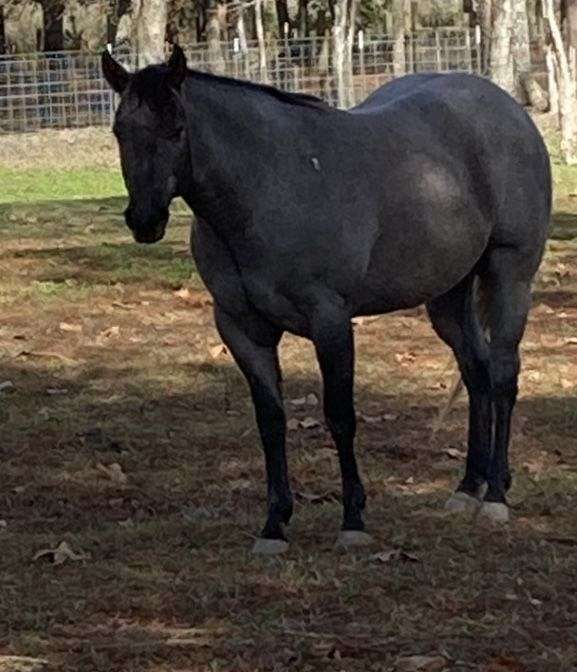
{"points": [[147, 85], [297, 99]]}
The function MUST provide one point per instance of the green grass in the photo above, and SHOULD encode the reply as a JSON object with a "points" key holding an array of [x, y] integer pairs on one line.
{"points": [[31, 185]]}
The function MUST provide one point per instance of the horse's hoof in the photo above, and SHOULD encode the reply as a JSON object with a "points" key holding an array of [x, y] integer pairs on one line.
{"points": [[270, 546], [494, 512], [352, 538], [461, 502]]}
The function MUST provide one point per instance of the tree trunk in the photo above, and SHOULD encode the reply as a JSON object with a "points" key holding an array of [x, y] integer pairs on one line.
{"points": [[521, 50], [484, 11], [502, 64], [339, 38], [262, 61], [2, 31], [118, 8], [215, 56], [399, 8], [53, 26], [182, 22], [570, 11], [241, 30], [350, 42], [149, 30], [283, 16], [303, 18], [566, 80], [552, 83]]}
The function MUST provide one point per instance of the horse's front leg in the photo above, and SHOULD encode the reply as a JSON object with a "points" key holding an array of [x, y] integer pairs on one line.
{"points": [[253, 344], [334, 344]]}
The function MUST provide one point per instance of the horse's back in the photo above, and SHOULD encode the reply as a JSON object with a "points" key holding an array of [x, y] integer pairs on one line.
{"points": [[489, 136]]}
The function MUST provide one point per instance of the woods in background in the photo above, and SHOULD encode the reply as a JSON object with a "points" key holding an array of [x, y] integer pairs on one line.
{"points": [[525, 46]]}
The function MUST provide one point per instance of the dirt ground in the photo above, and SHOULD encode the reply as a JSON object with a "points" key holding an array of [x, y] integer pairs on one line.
{"points": [[127, 433], [71, 148]]}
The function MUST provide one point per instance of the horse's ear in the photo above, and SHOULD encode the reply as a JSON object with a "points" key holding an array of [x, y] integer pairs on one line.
{"points": [[114, 73], [177, 67]]}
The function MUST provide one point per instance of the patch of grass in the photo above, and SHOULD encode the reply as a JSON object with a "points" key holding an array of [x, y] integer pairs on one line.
{"points": [[33, 185]]}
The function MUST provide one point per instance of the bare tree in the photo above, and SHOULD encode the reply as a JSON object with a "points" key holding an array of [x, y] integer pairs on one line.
{"points": [[52, 24], [399, 10], [216, 15], [259, 27], [343, 37], [501, 55], [283, 16], [562, 62], [150, 19], [521, 49], [2, 30]]}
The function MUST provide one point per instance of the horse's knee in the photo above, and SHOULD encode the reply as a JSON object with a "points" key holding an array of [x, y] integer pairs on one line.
{"points": [[504, 377]]}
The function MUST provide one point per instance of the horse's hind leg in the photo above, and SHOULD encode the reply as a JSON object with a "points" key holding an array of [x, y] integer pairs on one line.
{"points": [[333, 340], [508, 276], [455, 319]]}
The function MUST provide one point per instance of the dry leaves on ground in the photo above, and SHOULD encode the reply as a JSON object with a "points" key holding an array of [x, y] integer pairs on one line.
{"points": [[59, 555]]}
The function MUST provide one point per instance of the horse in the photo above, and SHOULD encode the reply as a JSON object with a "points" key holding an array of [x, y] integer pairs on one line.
{"points": [[308, 216]]}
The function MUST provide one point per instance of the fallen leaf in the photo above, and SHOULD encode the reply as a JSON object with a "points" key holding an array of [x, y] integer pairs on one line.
{"points": [[183, 293], [505, 664], [309, 423], [113, 472], [455, 454], [405, 357], [571, 341], [23, 664], [65, 326], [370, 419], [312, 498], [50, 355], [393, 554], [196, 298], [105, 335], [421, 664], [299, 401], [218, 350], [312, 400], [6, 385], [60, 554]]}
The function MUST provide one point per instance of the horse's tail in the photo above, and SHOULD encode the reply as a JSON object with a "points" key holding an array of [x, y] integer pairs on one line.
{"points": [[481, 300]]}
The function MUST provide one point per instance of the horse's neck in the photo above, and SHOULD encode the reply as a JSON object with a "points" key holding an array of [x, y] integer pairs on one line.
{"points": [[226, 143]]}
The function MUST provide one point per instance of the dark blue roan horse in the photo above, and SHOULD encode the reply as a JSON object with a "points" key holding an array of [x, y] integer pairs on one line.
{"points": [[308, 216]]}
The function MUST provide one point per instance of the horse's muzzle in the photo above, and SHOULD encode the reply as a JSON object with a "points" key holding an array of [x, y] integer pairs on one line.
{"points": [[149, 229]]}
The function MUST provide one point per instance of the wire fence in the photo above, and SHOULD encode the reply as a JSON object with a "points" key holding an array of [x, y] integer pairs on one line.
{"points": [[66, 89]]}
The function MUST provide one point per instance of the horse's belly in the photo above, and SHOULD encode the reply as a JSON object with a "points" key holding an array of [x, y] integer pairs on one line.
{"points": [[411, 271]]}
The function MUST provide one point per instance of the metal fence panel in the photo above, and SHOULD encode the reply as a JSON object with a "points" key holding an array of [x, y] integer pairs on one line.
{"points": [[66, 89]]}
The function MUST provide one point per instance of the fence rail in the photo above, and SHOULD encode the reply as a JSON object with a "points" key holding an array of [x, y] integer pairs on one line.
{"points": [[66, 89]]}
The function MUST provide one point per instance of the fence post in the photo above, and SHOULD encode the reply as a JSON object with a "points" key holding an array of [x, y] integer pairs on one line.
{"points": [[438, 59], [361, 43]]}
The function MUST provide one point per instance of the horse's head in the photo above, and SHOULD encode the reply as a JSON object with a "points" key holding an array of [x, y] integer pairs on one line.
{"points": [[151, 132]]}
